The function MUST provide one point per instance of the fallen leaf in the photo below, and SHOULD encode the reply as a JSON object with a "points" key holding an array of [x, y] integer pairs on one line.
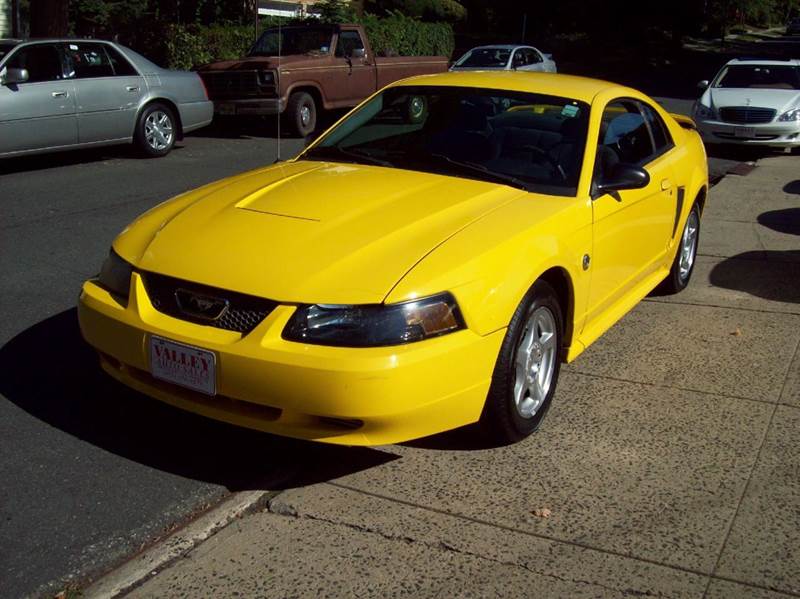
{"points": [[542, 512], [737, 332]]}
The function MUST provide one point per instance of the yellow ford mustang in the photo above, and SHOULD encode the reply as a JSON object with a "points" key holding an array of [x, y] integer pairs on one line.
{"points": [[427, 263]]}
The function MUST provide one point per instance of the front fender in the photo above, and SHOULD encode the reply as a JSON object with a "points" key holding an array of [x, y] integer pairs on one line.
{"points": [[490, 265]]}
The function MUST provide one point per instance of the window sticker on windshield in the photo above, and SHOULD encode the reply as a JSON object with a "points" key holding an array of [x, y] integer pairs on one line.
{"points": [[570, 110], [73, 47]]}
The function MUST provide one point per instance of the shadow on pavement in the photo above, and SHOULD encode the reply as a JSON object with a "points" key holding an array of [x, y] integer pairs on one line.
{"points": [[37, 162], [792, 187], [771, 275], [783, 221], [48, 371]]}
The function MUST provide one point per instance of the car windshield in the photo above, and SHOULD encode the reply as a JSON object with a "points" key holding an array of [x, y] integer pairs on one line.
{"points": [[293, 40], [531, 141], [5, 48], [760, 76], [485, 57]]}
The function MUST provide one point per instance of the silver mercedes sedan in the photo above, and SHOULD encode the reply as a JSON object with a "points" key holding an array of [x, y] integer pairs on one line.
{"points": [[64, 94]]}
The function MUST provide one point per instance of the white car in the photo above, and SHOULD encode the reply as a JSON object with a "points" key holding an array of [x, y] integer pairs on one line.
{"points": [[753, 102], [505, 58]]}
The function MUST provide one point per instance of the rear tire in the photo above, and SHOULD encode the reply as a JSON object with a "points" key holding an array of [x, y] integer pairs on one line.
{"points": [[301, 113], [683, 266], [526, 373], [156, 130]]}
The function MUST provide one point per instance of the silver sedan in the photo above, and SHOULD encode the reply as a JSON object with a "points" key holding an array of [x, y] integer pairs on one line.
{"points": [[65, 94], [505, 58]]}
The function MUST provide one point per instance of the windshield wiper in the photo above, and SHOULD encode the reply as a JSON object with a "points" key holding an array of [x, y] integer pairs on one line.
{"points": [[485, 172], [353, 156]]}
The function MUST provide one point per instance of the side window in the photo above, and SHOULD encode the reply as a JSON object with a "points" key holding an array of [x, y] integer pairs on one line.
{"points": [[122, 67], [623, 130], [42, 61], [348, 41], [533, 57], [519, 59], [88, 60], [661, 136]]}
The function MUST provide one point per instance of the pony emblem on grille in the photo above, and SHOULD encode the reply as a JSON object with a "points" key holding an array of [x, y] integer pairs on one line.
{"points": [[201, 306]]}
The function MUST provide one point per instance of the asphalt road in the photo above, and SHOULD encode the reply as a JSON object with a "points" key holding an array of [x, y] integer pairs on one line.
{"points": [[92, 472]]}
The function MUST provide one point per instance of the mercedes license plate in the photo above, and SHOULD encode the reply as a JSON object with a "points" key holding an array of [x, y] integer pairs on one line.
{"points": [[183, 365], [747, 132]]}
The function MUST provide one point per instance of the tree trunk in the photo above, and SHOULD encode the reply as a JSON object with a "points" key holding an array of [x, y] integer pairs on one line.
{"points": [[49, 18]]}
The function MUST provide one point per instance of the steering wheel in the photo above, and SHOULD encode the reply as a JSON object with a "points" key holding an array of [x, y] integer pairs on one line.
{"points": [[549, 159]]}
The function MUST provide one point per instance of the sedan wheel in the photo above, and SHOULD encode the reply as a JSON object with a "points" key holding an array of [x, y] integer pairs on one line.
{"points": [[526, 372], [156, 130]]}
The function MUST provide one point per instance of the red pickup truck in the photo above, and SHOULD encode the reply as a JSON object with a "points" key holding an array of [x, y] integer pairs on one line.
{"points": [[300, 70]]}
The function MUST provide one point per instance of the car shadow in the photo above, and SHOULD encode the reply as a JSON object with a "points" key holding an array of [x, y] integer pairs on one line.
{"points": [[738, 153], [242, 127], [792, 187], [38, 162], [786, 220], [77, 397], [770, 275]]}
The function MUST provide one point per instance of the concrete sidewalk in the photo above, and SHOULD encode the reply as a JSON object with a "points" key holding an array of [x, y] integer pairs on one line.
{"points": [[669, 463]]}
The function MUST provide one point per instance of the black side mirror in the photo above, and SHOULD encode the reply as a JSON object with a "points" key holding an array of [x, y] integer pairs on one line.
{"points": [[11, 76], [622, 176], [703, 85]]}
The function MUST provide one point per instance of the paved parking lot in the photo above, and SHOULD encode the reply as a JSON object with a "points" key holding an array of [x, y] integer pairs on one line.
{"points": [[669, 454]]}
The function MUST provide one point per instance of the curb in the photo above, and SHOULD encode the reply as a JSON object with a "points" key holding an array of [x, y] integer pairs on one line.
{"points": [[148, 563]]}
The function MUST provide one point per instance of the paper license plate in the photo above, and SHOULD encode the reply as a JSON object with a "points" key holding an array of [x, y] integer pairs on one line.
{"points": [[183, 365], [226, 109], [744, 131]]}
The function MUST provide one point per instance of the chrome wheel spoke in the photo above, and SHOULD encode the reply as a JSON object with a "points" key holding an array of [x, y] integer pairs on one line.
{"points": [[534, 362]]}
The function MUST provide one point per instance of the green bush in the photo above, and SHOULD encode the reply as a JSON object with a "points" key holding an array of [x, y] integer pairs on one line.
{"points": [[185, 47], [400, 35]]}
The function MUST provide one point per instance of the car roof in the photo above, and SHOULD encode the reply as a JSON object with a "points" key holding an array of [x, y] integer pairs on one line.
{"points": [[501, 47], [792, 62], [554, 84]]}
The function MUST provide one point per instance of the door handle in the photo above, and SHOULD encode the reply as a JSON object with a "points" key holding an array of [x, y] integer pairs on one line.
{"points": [[132, 88], [665, 184], [59, 94]]}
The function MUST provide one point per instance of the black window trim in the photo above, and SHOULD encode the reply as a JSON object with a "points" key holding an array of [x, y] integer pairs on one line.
{"points": [[59, 50]]}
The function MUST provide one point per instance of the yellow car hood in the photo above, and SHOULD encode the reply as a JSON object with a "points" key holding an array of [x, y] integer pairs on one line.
{"points": [[308, 231]]}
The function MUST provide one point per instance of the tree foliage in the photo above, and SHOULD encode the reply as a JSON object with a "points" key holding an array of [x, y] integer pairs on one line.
{"points": [[429, 10]]}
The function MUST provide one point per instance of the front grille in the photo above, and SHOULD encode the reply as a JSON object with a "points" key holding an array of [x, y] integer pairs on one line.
{"points": [[244, 312], [223, 85], [746, 114]]}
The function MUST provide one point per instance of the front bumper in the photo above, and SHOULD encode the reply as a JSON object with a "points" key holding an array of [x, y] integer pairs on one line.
{"points": [[774, 134], [258, 107], [349, 396]]}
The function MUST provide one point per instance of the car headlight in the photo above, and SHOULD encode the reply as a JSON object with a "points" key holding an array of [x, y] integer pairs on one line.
{"points": [[115, 274], [266, 77], [702, 111], [790, 115], [375, 325]]}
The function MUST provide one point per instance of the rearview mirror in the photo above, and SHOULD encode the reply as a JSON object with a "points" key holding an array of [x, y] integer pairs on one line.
{"points": [[358, 53], [703, 85], [623, 176], [9, 76]]}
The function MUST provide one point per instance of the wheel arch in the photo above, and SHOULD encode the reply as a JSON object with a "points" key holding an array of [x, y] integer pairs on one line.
{"points": [[310, 88], [558, 278]]}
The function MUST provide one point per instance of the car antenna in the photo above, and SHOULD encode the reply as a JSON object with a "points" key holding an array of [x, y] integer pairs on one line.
{"points": [[278, 89]]}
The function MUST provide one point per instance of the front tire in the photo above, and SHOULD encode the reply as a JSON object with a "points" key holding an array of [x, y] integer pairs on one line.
{"points": [[301, 112], [156, 130], [683, 265], [527, 368]]}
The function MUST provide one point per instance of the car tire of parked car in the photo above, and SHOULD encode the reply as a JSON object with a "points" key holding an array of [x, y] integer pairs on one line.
{"points": [[682, 267], [527, 368], [301, 112], [156, 130]]}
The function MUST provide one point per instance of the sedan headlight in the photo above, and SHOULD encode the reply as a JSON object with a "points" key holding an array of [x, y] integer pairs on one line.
{"points": [[701, 111], [115, 274], [375, 325], [790, 115]]}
